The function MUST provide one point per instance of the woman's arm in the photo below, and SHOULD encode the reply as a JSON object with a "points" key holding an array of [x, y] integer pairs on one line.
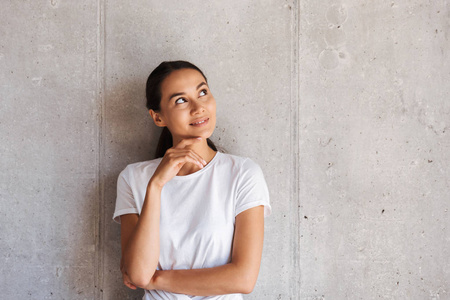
{"points": [[140, 234], [140, 239], [239, 276]]}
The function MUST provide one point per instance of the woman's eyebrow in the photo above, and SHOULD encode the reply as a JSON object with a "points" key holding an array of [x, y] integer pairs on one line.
{"points": [[202, 83], [176, 94], [179, 94]]}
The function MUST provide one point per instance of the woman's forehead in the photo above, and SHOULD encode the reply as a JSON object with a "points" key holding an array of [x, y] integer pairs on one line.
{"points": [[182, 79]]}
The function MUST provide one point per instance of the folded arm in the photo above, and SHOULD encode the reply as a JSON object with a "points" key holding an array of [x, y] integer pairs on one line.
{"points": [[238, 276], [140, 234], [140, 240]]}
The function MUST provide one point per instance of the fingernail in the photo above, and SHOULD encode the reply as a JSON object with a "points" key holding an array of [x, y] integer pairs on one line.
{"points": [[204, 162], [199, 138]]}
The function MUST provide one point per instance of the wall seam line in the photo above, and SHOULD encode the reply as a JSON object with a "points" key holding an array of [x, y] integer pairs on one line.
{"points": [[294, 128], [100, 222]]}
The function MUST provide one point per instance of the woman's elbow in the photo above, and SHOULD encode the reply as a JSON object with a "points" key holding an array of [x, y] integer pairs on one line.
{"points": [[247, 289], [247, 283], [140, 279]]}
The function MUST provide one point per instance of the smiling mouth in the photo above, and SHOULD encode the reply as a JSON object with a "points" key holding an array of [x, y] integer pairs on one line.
{"points": [[200, 123]]}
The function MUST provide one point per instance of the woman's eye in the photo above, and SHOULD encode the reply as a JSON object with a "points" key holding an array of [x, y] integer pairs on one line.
{"points": [[203, 92], [180, 100]]}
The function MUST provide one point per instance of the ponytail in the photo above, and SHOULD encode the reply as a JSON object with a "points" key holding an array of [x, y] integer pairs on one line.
{"points": [[165, 142]]}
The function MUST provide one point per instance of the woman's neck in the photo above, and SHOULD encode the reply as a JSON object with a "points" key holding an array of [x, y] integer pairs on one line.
{"points": [[201, 149]]}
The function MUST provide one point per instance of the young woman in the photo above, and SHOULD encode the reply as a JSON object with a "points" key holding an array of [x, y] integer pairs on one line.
{"points": [[192, 220]]}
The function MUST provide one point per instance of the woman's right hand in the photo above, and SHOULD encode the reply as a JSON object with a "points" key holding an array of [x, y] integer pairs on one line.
{"points": [[174, 159]]}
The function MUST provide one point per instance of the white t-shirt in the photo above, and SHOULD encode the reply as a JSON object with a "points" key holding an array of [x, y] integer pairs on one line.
{"points": [[197, 212]]}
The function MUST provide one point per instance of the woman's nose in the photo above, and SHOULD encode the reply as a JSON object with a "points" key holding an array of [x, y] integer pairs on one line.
{"points": [[197, 107]]}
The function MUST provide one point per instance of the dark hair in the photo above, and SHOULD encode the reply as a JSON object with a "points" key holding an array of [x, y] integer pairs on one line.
{"points": [[153, 94]]}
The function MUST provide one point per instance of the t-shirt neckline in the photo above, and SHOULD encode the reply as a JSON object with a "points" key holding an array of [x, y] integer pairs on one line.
{"points": [[201, 171]]}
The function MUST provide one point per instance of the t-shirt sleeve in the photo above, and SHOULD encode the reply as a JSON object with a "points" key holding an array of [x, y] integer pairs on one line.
{"points": [[125, 203], [252, 189]]}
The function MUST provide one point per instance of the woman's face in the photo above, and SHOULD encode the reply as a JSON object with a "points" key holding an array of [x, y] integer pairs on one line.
{"points": [[188, 108]]}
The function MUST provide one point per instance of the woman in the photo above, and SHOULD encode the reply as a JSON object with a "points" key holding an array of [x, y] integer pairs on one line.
{"points": [[192, 220]]}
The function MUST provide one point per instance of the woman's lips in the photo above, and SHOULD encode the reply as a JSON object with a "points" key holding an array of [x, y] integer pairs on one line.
{"points": [[200, 122]]}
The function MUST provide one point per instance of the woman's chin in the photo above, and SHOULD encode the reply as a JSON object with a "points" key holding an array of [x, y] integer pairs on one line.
{"points": [[203, 135]]}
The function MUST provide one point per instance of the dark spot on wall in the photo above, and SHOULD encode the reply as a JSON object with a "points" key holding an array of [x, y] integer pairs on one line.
{"points": [[382, 211], [430, 161], [305, 217]]}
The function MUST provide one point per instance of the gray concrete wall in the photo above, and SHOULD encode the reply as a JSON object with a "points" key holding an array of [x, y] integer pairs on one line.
{"points": [[344, 104], [374, 158]]}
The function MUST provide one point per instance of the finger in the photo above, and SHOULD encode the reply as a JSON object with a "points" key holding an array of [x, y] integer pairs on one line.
{"points": [[193, 154], [129, 285], [182, 159], [200, 159], [189, 153], [185, 142], [127, 282]]}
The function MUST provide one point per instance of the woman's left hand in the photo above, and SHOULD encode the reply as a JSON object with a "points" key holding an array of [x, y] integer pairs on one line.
{"points": [[127, 282], [126, 279]]}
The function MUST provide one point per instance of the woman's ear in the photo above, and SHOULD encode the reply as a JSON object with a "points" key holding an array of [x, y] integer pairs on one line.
{"points": [[157, 118]]}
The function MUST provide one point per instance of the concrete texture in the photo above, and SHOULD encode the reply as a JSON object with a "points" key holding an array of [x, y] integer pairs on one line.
{"points": [[374, 163], [342, 103]]}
